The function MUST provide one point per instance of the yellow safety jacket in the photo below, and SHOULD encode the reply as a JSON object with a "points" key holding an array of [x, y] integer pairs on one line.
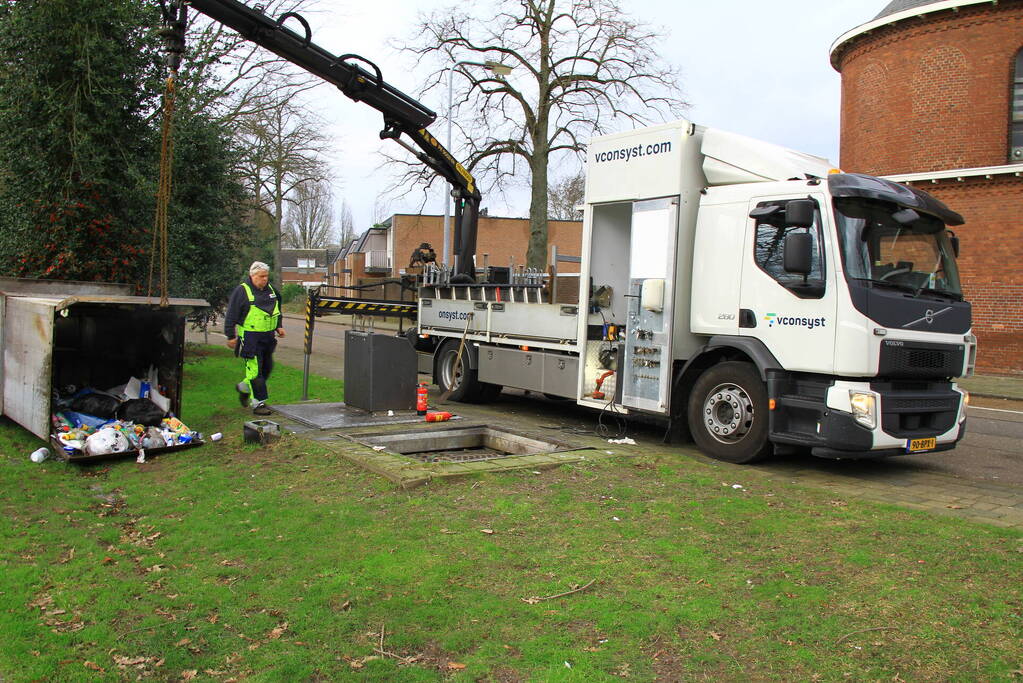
{"points": [[258, 320]]}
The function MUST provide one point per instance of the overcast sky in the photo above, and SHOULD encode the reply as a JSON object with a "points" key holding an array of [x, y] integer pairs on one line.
{"points": [[749, 66]]}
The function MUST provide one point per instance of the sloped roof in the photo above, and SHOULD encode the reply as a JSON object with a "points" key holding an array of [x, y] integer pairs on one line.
{"points": [[896, 6]]}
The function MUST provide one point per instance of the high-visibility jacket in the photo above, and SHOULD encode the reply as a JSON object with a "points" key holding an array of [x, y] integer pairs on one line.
{"points": [[258, 320]]}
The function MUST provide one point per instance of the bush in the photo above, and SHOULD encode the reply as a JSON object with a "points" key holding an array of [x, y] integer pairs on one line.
{"points": [[291, 291]]}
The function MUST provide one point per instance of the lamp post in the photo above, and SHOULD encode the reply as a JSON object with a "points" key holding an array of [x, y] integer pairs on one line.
{"points": [[498, 69]]}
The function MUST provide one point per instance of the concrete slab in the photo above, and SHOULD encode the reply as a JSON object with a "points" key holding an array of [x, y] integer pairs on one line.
{"points": [[341, 416]]}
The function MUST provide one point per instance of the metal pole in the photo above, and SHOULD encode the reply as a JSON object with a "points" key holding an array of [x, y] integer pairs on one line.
{"points": [[445, 255], [310, 321]]}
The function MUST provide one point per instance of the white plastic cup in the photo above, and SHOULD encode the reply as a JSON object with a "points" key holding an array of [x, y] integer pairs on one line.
{"points": [[39, 455], [216, 437]]}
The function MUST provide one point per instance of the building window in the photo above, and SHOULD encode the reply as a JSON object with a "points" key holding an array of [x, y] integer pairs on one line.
{"points": [[1016, 144], [306, 263]]}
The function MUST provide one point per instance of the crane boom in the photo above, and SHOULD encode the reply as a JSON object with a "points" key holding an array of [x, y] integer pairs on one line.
{"points": [[403, 115]]}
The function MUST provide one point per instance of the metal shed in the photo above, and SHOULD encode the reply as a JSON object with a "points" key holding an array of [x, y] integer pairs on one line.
{"points": [[55, 334]]}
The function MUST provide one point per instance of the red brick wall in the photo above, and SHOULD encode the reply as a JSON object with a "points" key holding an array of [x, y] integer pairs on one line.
{"points": [[932, 93], [499, 238], [990, 264]]}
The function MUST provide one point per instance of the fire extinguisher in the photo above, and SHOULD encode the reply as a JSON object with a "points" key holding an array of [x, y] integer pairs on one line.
{"points": [[421, 405]]}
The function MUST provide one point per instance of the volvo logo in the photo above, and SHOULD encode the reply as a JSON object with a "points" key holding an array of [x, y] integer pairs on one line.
{"points": [[929, 316]]}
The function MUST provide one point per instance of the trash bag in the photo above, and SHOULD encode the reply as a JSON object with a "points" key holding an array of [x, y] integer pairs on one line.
{"points": [[100, 405], [153, 438], [107, 440], [141, 411]]}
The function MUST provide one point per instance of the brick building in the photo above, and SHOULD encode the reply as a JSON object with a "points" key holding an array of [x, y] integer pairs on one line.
{"points": [[384, 250], [306, 267], [932, 95]]}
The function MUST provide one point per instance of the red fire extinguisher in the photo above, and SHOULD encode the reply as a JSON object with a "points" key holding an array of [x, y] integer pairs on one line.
{"points": [[421, 405]]}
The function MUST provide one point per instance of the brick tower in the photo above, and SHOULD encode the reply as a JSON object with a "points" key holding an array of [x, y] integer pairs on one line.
{"points": [[932, 95]]}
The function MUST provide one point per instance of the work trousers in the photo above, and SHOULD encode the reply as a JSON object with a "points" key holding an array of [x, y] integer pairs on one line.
{"points": [[257, 350]]}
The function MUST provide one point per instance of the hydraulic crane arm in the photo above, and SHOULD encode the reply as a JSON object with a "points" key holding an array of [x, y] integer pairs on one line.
{"points": [[402, 114]]}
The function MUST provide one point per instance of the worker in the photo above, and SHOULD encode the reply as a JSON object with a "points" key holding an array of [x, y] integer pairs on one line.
{"points": [[422, 255], [254, 317]]}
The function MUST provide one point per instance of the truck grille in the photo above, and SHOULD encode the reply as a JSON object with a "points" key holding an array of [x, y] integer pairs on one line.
{"points": [[908, 414], [914, 359]]}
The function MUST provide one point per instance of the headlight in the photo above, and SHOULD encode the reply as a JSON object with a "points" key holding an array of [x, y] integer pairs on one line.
{"points": [[864, 408], [966, 403]]}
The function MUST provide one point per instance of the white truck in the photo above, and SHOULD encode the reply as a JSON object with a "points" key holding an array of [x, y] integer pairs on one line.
{"points": [[748, 294]]}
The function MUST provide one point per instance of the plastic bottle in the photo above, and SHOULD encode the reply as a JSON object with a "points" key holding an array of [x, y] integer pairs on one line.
{"points": [[216, 437], [39, 455]]}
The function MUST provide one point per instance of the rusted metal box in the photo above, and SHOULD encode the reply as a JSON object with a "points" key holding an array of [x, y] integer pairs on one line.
{"points": [[56, 333]]}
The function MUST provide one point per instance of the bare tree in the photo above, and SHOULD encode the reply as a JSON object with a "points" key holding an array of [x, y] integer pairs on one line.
{"points": [[581, 67], [282, 148], [309, 218], [564, 195], [346, 224], [226, 77]]}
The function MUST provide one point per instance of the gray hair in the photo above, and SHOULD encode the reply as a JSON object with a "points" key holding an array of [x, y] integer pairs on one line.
{"points": [[258, 267]]}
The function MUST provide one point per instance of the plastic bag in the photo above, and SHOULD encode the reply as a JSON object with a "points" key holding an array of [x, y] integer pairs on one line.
{"points": [[100, 405], [140, 411], [107, 440]]}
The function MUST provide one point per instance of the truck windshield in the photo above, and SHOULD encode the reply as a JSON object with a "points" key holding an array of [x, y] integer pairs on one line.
{"points": [[916, 257]]}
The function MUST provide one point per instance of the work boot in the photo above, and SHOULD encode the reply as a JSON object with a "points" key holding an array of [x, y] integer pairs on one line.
{"points": [[261, 409], [243, 394]]}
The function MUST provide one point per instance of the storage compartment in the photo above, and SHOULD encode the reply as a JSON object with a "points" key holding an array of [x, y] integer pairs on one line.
{"points": [[57, 335]]}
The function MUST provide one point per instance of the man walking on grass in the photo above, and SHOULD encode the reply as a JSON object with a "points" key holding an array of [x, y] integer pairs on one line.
{"points": [[254, 317]]}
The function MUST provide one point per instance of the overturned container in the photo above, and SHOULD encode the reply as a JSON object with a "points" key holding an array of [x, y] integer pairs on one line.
{"points": [[57, 334]]}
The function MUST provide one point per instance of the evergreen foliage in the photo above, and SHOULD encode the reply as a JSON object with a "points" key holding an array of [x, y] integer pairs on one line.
{"points": [[80, 98]]}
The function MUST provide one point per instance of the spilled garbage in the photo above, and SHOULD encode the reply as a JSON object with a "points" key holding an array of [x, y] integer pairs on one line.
{"points": [[128, 420]]}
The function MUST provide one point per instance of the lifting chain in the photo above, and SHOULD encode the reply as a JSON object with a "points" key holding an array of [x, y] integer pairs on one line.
{"points": [[173, 35], [158, 249]]}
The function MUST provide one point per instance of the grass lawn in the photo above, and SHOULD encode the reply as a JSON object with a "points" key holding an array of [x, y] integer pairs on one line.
{"points": [[287, 563]]}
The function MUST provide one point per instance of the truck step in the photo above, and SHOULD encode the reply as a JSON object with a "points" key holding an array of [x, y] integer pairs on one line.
{"points": [[801, 439], [800, 402]]}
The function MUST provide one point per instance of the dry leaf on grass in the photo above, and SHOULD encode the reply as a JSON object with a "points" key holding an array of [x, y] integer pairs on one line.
{"points": [[457, 666], [94, 667], [278, 631], [715, 635], [487, 531], [189, 674]]}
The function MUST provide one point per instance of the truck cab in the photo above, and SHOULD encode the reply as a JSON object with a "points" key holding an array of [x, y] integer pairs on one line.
{"points": [[800, 306]]}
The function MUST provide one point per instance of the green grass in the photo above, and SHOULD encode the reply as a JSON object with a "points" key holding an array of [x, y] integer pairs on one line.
{"points": [[285, 563]]}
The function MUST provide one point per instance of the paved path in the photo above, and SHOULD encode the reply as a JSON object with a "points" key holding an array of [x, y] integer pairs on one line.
{"points": [[982, 480]]}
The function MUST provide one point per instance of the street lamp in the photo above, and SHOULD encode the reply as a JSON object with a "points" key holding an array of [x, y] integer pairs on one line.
{"points": [[498, 69]]}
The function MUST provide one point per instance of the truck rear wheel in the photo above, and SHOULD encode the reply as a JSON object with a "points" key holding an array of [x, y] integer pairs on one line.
{"points": [[728, 413], [460, 378]]}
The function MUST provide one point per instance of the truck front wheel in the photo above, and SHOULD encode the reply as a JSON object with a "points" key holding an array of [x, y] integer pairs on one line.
{"points": [[728, 413]]}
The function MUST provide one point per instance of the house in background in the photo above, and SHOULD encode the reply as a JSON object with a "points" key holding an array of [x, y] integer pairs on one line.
{"points": [[384, 251], [306, 267]]}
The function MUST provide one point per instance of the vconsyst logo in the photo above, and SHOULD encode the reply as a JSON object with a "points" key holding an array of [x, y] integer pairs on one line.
{"points": [[792, 321]]}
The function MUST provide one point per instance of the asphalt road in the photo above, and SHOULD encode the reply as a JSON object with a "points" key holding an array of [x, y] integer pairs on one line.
{"points": [[991, 451]]}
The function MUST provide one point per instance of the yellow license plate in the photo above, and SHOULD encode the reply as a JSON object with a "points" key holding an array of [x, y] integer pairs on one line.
{"points": [[917, 445]]}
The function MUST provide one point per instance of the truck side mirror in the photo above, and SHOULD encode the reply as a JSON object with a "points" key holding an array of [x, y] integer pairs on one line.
{"points": [[799, 213], [798, 253]]}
